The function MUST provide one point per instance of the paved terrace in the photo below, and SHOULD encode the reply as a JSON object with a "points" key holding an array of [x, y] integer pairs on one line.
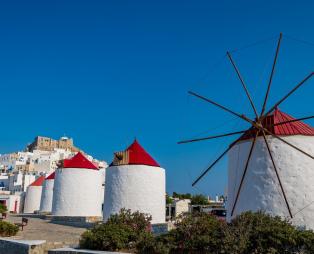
{"points": [[41, 229]]}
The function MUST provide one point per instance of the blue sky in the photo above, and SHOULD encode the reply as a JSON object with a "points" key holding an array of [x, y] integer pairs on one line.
{"points": [[104, 72]]}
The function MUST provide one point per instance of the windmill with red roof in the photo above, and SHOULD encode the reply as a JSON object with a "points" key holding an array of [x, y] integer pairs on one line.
{"points": [[135, 181], [271, 165], [33, 195], [77, 189]]}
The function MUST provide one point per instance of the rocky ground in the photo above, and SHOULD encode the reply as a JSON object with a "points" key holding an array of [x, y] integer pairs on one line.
{"points": [[40, 229]]}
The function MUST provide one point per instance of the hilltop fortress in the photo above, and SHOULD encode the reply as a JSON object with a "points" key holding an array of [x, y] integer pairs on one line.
{"points": [[49, 144]]}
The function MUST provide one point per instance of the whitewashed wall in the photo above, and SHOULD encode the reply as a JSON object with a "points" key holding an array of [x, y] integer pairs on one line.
{"points": [[261, 190], [77, 192], [102, 172], [32, 199], [136, 187], [46, 196], [10, 202]]}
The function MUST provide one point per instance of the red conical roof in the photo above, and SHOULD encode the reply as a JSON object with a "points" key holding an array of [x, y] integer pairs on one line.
{"points": [[134, 155], [51, 176], [292, 128], [286, 129], [79, 161], [39, 181]]}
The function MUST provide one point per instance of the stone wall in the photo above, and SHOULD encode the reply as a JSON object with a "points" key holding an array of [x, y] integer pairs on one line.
{"points": [[78, 221], [21, 247]]}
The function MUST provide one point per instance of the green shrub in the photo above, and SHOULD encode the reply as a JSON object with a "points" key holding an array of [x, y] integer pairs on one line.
{"points": [[121, 232], [197, 233], [3, 208], [249, 232], [261, 233], [106, 237], [306, 241], [155, 245], [8, 229]]}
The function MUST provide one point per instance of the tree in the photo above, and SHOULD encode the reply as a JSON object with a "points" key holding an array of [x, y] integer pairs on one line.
{"points": [[199, 199], [181, 196], [168, 199], [3, 208]]}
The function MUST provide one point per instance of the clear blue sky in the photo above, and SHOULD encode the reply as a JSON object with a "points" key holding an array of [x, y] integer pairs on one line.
{"points": [[104, 72]]}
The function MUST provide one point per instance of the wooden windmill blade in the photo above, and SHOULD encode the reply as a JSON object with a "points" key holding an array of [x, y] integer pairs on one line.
{"points": [[216, 104], [211, 137], [243, 83], [288, 94], [244, 172], [212, 165], [271, 75], [293, 120], [288, 143]]}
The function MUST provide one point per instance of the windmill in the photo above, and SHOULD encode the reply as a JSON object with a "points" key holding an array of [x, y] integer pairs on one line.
{"points": [[274, 142]]}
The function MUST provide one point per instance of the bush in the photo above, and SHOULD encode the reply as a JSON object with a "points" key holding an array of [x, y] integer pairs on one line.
{"points": [[197, 233], [8, 229], [162, 244], [248, 233], [261, 233], [3, 208], [121, 232]]}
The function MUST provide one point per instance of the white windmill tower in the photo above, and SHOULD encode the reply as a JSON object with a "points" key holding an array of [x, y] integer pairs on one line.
{"points": [[271, 166], [33, 195], [47, 194], [135, 181], [77, 188]]}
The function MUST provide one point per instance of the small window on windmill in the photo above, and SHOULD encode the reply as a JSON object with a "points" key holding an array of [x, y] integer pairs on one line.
{"points": [[121, 158]]}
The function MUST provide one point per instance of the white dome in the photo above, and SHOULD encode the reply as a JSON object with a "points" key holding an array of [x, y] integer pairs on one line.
{"points": [[136, 187], [261, 190]]}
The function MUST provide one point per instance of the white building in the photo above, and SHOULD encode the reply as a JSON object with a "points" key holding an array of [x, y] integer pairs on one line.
{"points": [[19, 181], [46, 161], [38, 160], [11, 160], [77, 188], [4, 181], [177, 207], [11, 201], [261, 189], [135, 181], [33, 196]]}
